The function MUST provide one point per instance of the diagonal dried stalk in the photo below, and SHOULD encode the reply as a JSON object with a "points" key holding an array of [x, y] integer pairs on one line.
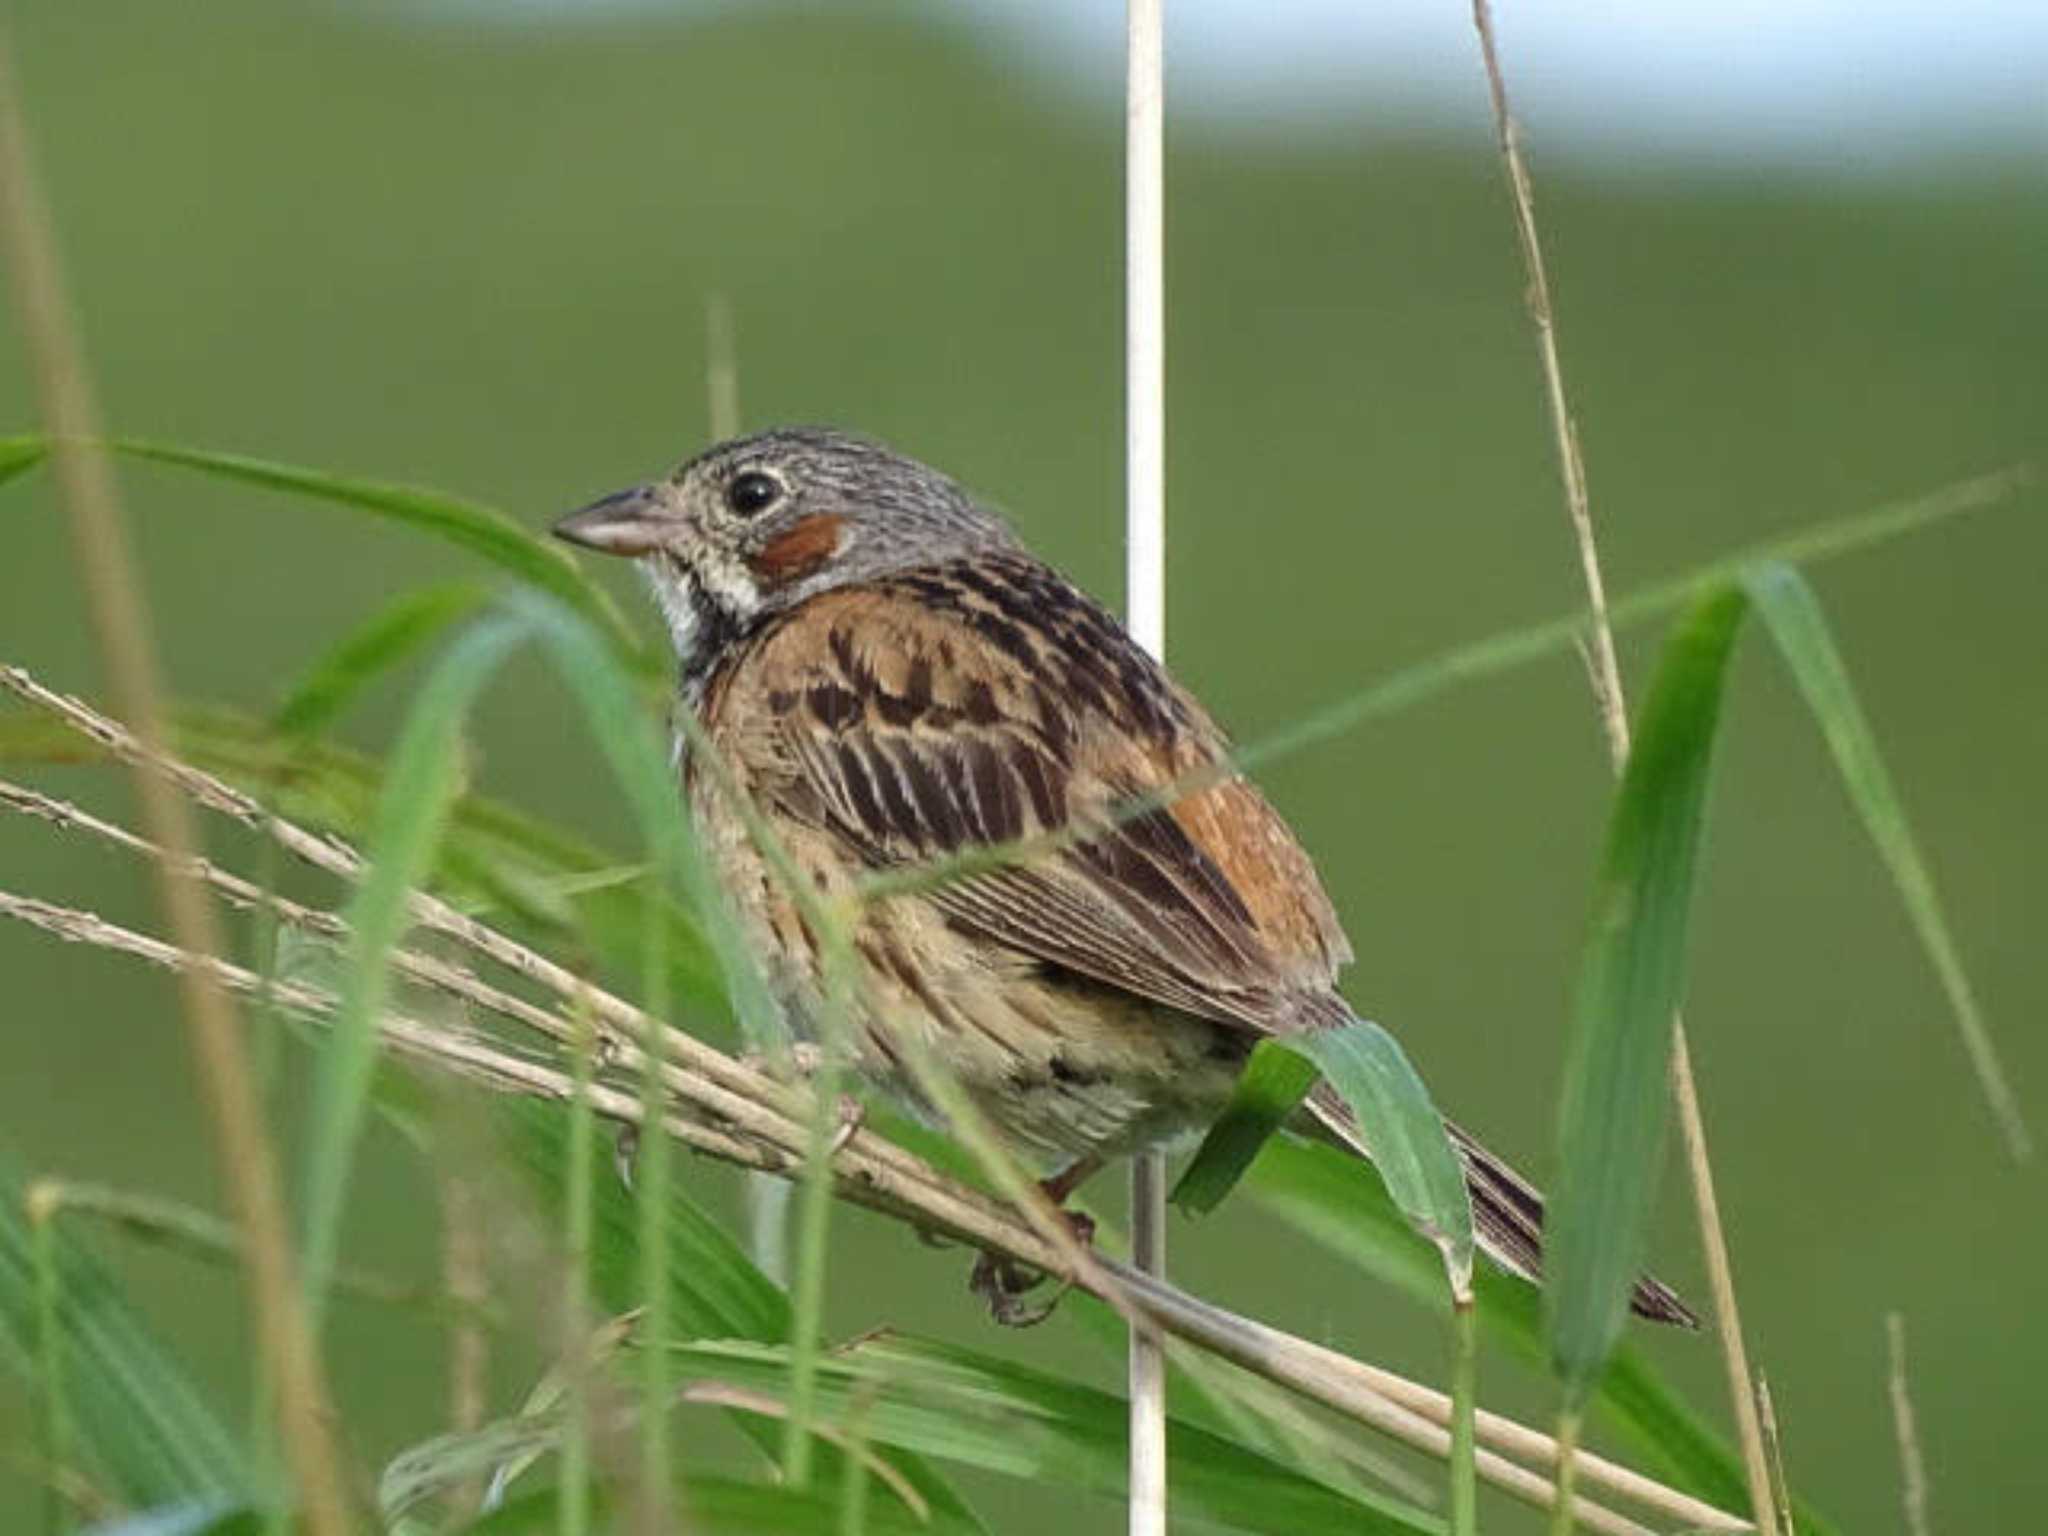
{"points": [[1604, 671], [728, 1110]]}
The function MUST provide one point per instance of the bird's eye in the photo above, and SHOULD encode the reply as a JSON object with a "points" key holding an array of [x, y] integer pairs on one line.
{"points": [[752, 492]]}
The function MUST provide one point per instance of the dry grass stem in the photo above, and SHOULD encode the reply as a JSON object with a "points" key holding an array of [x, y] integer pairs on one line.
{"points": [[1404, 1410], [1912, 1468], [1604, 670], [284, 1339]]}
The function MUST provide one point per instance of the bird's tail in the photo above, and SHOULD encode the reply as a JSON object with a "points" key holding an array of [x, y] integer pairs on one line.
{"points": [[1507, 1212]]}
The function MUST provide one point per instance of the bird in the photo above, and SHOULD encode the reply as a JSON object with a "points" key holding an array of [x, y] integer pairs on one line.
{"points": [[888, 677]]}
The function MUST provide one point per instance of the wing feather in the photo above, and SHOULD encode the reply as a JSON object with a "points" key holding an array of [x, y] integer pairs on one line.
{"points": [[886, 716]]}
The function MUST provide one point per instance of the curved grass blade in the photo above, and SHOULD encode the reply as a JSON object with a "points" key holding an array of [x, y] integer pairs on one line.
{"points": [[1371, 1073], [972, 1409], [469, 525], [1368, 1068], [149, 1431], [1794, 618], [397, 631], [1615, 1103], [210, 1517], [411, 814], [976, 1411], [19, 455], [1269, 1090], [724, 1506]]}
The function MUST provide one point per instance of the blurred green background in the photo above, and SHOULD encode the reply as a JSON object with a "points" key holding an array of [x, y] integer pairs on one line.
{"points": [[480, 260]]}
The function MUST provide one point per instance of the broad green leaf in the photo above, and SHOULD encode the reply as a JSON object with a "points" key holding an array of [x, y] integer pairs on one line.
{"points": [[1796, 623], [410, 816], [387, 638], [209, 1517], [720, 1506], [961, 1406], [19, 455], [148, 1431], [479, 529], [1369, 1071], [1616, 1098], [1387, 1098], [1339, 1202], [1268, 1091]]}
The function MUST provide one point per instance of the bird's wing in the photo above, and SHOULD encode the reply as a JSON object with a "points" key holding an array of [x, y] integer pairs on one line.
{"points": [[986, 702]]}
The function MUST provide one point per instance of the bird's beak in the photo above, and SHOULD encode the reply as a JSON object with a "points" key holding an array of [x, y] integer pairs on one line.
{"points": [[629, 523]]}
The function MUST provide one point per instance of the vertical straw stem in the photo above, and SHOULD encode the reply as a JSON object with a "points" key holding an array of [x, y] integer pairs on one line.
{"points": [[297, 1388], [1145, 611], [1604, 670]]}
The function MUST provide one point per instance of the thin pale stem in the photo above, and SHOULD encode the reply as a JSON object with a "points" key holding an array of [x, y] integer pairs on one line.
{"points": [[1912, 1466], [1464, 1424], [1604, 671], [296, 1382], [1145, 612]]}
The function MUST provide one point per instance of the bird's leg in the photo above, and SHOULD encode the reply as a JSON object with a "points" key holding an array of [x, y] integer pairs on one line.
{"points": [[1003, 1283]]}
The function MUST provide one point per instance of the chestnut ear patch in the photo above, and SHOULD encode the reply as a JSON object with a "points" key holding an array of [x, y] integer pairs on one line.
{"points": [[797, 551]]}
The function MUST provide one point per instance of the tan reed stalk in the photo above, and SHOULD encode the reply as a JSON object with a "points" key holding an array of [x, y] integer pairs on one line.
{"points": [[1604, 671], [285, 1344]]}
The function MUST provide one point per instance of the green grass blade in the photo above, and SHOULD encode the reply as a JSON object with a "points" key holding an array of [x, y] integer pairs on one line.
{"points": [[19, 455], [1372, 1074], [396, 632], [1367, 1066], [975, 1410], [916, 1397], [1270, 1088], [1616, 1102], [1796, 623], [148, 1432], [479, 529], [724, 1506], [410, 816], [1464, 1499], [208, 1517]]}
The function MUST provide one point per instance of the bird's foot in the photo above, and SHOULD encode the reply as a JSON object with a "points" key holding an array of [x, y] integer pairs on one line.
{"points": [[1003, 1282]]}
